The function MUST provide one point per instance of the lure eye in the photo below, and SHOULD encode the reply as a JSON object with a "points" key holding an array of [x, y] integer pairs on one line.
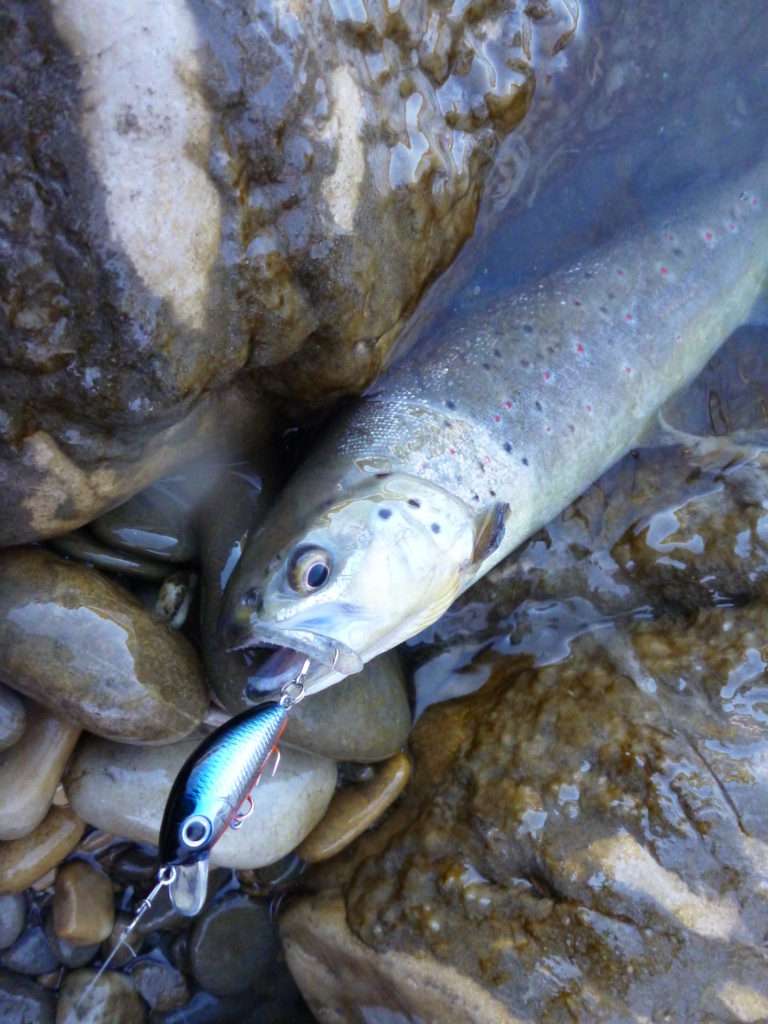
{"points": [[196, 831], [310, 569]]}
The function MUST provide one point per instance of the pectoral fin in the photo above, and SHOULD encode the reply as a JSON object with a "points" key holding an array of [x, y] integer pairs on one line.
{"points": [[489, 531]]}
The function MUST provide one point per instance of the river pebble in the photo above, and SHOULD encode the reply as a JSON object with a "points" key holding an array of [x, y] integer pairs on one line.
{"points": [[24, 1002], [233, 946], [161, 986], [84, 647], [31, 953], [68, 953], [364, 718], [83, 904], [112, 1000], [128, 950], [13, 717], [123, 789], [23, 861], [354, 809], [13, 914], [157, 522], [83, 546], [30, 771]]}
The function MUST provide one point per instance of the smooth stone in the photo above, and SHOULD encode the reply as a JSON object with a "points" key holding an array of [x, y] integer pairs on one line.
{"points": [[13, 718], [206, 1008], [24, 1002], [123, 789], [161, 986], [112, 1000], [233, 946], [156, 522], [68, 953], [82, 546], [23, 861], [85, 647], [364, 718], [31, 953], [83, 904], [13, 915], [30, 771], [354, 809]]}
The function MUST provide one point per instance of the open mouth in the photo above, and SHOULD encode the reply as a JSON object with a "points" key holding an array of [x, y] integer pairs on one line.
{"points": [[277, 657]]}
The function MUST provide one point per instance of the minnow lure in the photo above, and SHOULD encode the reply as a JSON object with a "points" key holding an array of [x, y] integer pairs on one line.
{"points": [[208, 796]]}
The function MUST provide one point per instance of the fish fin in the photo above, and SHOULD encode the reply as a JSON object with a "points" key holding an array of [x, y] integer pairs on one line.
{"points": [[489, 531]]}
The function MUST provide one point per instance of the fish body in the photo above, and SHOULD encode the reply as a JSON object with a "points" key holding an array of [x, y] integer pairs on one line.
{"points": [[482, 435], [215, 780]]}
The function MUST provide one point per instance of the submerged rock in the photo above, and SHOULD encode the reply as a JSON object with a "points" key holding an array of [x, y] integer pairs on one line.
{"points": [[123, 789], [31, 770], [13, 718], [589, 835], [84, 647], [24, 861], [233, 947]]}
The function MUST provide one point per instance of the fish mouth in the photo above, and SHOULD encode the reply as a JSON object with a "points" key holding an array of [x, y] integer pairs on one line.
{"points": [[288, 653]]}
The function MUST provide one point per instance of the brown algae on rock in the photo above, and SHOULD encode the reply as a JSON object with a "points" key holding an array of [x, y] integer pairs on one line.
{"points": [[83, 646]]}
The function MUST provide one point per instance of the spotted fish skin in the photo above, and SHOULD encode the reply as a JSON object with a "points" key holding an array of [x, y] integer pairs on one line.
{"points": [[517, 406], [217, 777]]}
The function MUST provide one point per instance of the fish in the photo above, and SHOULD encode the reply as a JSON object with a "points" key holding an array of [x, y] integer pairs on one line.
{"points": [[482, 434]]}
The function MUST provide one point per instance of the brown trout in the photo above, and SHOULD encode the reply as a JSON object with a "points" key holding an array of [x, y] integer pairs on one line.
{"points": [[481, 436]]}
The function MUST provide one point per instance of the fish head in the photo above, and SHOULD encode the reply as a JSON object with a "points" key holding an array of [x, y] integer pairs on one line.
{"points": [[353, 578]]}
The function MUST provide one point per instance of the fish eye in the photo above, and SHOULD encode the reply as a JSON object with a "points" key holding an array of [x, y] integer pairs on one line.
{"points": [[310, 569], [196, 831]]}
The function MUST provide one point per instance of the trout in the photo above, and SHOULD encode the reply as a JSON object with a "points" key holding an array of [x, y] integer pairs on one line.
{"points": [[479, 437]]}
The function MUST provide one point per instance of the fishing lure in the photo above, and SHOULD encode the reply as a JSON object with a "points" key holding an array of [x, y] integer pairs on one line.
{"points": [[208, 795]]}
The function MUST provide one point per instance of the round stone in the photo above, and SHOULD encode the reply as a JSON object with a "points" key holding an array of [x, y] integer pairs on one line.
{"points": [[83, 904], [232, 947], [24, 1002], [111, 1000], [31, 953], [13, 914], [161, 986], [24, 861], [12, 718]]}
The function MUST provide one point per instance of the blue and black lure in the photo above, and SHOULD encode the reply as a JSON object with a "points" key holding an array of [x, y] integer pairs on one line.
{"points": [[208, 795]]}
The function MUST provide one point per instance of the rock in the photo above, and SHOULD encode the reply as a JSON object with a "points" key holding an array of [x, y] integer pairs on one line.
{"points": [[83, 904], [13, 718], [161, 986], [84, 646], [604, 814], [112, 1000], [13, 914], [163, 916], [233, 946], [365, 718], [23, 861], [354, 809], [30, 771], [205, 1008], [24, 1002], [123, 790], [156, 523], [128, 951], [67, 953], [82, 546], [31, 953], [174, 599]]}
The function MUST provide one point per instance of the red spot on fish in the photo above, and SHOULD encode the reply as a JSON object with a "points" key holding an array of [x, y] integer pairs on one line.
{"points": [[627, 369], [620, 273], [664, 270], [487, 460], [507, 404], [754, 200], [628, 317], [547, 429], [452, 451], [588, 407], [732, 228], [497, 418], [708, 236], [546, 375], [580, 349], [669, 236], [576, 302]]}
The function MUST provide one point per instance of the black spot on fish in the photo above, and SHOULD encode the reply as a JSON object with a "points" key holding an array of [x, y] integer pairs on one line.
{"points": [[603, 309], [448, 424], [481, 466], [507, 446], [497, 353], [611, 295], [385, 513], [525, 461], [492, 493], [677, 252], [538, 405], [414, 503], [450, 404], [382, 476], [525, 362], [475, 497], [528, 328], [486, 366], [435, 528], [589, 273]]}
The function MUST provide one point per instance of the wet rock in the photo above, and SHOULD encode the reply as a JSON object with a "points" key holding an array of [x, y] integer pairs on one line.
{"points": [[205, 1008], [366, 718], [112, 1000], [354, 809], [164, 917], [156, 523], [123, 789], [232, 947], [31, 953], [126, 953], [174, 599], [82, 645], [23, 861], [161, 986], [603, 815], [30, 771], [83, 547], [12, 718], [24, 1002], [83, 904], [68, 953], [13, 914]]}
